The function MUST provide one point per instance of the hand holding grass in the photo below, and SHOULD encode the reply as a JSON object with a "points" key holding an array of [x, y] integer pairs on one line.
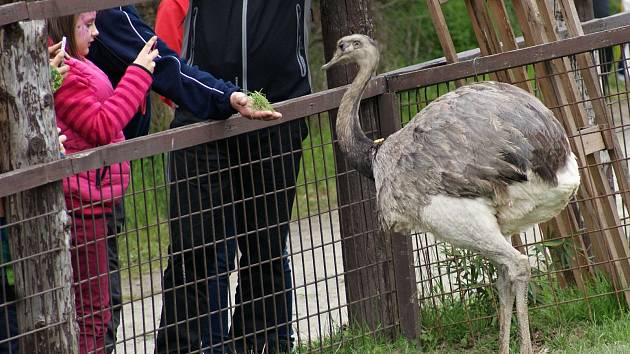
{"points": [[253, 107]]}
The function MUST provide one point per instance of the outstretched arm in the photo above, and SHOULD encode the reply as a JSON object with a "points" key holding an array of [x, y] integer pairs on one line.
{"points": [[123, 33]]}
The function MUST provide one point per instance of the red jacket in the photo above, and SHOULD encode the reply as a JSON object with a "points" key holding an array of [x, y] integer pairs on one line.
{"points": [[169, 26], [169, 23], [91, 113]]}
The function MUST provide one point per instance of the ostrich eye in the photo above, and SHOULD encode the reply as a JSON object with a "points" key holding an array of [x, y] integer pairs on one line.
{"points": [[356, 44]]}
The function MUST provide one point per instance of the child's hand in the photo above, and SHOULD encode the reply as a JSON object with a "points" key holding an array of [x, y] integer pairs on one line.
{"points": [[62, 139], [146, 57], [56, 56]]}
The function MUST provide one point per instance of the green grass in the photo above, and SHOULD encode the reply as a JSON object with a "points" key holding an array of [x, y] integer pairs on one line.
{"points": [[260, 101], [316, 188], [561, 321], [146, 236]]}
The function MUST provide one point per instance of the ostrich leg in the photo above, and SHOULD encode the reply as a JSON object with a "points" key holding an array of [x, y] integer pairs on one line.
{"points": [[506, 304], [520, 289]]}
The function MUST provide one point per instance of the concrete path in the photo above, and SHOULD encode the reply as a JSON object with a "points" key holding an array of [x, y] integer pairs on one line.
{"points": [[314, 272]]}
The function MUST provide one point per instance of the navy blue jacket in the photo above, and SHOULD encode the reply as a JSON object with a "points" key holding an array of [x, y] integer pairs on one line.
{"points": [[260, 45], [122, 35]]}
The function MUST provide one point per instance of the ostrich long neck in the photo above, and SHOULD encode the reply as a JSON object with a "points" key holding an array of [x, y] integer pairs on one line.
{"points": [[352, 140]]}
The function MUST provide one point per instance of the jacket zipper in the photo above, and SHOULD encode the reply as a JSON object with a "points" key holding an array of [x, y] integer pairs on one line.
{"points": [[298, 46], [307, 30], [188, 42], [244, 45]]}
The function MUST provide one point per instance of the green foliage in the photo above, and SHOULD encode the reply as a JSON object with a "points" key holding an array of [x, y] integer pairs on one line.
{"points": [[567, 321], [145, 238], [357, 341], [260, 101], [316, 185], [56, 79]]}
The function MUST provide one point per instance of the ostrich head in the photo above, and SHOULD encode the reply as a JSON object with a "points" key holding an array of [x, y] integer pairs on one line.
{"points": [[358, 48], [359, 149]]}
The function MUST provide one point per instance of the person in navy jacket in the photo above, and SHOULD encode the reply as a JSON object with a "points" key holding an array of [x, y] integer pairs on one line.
{"points": [[122, 34], [240, 208]]}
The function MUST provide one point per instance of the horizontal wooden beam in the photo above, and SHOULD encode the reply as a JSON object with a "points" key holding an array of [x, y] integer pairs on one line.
{"points": [[405, 80], [9, 13], [590, 140], [592, 26], [41, 10], [174, 139], [24, 179]]}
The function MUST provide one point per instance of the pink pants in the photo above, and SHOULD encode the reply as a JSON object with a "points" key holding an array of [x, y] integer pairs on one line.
{"points": [[91, 283]]}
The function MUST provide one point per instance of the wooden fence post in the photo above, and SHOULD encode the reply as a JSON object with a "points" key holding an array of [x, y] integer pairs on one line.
{"points": [[402, 247], [368, 267], [39, 242]]}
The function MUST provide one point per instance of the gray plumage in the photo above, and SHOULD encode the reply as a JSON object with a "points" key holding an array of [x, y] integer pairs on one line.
{"points": [[472, 142], [474, 166]]}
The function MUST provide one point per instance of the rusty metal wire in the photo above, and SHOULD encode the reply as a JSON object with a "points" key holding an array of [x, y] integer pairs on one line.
{"points": [[449, 280], [190, 205]]}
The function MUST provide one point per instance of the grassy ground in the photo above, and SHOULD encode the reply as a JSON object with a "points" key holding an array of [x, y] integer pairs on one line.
{"points": [[608, 336], [578, 325]]}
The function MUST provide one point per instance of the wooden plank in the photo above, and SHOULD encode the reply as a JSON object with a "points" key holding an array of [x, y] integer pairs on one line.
{"points": [[402, 258], [597, 25], [41, 10], [602, 116], [590, 140], [441, 28], [617, 241], [9, 12], [405, 80], [507, 39], [606, 23], [483, 35]]}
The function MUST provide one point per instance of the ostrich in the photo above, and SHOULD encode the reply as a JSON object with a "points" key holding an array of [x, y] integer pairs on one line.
{"points": [[476, 165]]}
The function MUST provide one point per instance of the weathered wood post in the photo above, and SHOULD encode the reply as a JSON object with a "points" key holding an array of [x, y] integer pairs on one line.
{"points": [[585, 9], [367, 251], [39, 242]]}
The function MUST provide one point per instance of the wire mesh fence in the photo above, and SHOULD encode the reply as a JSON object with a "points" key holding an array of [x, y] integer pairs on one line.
{"points": [[457, 298], [265, 240]]}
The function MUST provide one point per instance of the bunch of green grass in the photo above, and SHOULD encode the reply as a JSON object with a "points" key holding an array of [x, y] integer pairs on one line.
{"points": [[261, 103]]}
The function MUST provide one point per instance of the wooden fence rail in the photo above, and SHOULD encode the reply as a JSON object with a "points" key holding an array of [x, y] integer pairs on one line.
{"points": [[384, 87], [400, 80], [41, 10]]}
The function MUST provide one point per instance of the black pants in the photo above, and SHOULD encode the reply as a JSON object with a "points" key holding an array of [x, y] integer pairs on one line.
{"points": [[236, 191], [115, 224]]}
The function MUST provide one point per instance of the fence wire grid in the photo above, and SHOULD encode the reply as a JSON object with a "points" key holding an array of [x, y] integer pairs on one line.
{"points": [[236, 244]]}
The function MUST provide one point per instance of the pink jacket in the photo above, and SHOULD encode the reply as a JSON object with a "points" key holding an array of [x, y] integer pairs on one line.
{"points": [[91, 113]]}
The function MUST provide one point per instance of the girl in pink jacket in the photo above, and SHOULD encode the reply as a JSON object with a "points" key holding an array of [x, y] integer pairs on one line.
{"points": [[91, 113]]}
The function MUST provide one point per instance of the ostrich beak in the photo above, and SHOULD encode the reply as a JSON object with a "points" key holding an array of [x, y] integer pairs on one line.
{"points": [[335, 59]]}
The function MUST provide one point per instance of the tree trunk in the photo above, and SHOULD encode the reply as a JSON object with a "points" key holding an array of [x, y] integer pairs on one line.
{"points": [[39, 241], [367, 250]]}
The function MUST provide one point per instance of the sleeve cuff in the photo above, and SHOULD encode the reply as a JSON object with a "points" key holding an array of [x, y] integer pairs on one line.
{"points": [[142, 67]]}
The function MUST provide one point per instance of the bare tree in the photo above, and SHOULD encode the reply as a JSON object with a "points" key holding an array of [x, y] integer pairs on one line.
{"points": [[39, 242]]}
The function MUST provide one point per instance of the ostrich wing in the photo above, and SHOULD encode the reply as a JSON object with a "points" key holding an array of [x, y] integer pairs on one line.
{"points": [[473, 142]]}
